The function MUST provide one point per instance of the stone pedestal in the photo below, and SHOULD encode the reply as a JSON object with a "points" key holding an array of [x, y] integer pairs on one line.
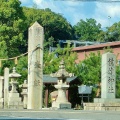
{"points": [[61, 101], [14, 101], [25, 99], [106, 100], [102, 106]]}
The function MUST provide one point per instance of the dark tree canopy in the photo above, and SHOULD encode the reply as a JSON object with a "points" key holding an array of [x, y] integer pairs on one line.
{"points": [[87, 30], [12, 26], [54, 24]]}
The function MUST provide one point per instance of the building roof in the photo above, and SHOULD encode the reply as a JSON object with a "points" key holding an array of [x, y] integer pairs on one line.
{"points": [[96, 46], [49, 79]]}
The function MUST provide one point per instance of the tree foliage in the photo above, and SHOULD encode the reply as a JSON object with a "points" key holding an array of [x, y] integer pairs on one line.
{"points": [[87, 30], [12, 26], [15, 21], [22, 68], [111, 33], [55, 25], [89, 70], [52, 60]]}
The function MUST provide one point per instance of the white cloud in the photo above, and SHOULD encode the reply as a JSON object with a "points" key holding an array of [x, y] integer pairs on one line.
{"points": [[42, 4], [66, 8], [73, 3], [103, 10], [38, 1], [73, 10], [109, 9]]}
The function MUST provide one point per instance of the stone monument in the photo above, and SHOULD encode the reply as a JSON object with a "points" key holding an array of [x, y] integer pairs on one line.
{"points": [[108, 76], [61, 100], [14, 101], [108, 79], [35, 66], [6, 86], [1, 91], [108, 101]]}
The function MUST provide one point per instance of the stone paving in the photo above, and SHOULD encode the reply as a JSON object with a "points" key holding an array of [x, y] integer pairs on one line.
{"points": [[59, 114]]}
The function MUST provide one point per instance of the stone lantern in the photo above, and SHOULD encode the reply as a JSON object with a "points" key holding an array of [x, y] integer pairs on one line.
{"points": [[61, 100], [14, 101]]}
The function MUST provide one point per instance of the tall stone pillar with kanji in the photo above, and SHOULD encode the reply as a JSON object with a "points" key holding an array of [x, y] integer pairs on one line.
{"points": [[108, 100], [108, 76], [35, 66]]}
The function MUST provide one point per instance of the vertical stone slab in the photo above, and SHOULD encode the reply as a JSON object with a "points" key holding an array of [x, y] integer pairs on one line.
{"points": [[6, 84], [108, 76], [35, 66], [1, 91], [1, 87]]}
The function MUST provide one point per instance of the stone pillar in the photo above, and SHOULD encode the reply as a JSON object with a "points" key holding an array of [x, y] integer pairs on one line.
{"points": [[24, 87], [1, 91], [35, 66], [108, 86], [6, 85], [108, 76], [1, 87], [108, 79]]}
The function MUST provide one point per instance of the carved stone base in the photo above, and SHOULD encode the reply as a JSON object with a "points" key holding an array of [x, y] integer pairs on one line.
{"points": [[60, 105], [102, 106], [15, 105], [105, 100]]}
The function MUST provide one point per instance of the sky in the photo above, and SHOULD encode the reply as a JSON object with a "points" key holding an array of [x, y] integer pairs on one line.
{"points": [[105, 13]]}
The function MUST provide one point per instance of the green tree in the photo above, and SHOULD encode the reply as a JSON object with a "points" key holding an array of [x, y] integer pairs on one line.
{"points": [[22, 68], [12, 26], [117, 79], [89, 70], [52, 60], [55, 25], [3, 50], [87, 30], [111, 33], [50, 63], [101, 37], [3, 54]]}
